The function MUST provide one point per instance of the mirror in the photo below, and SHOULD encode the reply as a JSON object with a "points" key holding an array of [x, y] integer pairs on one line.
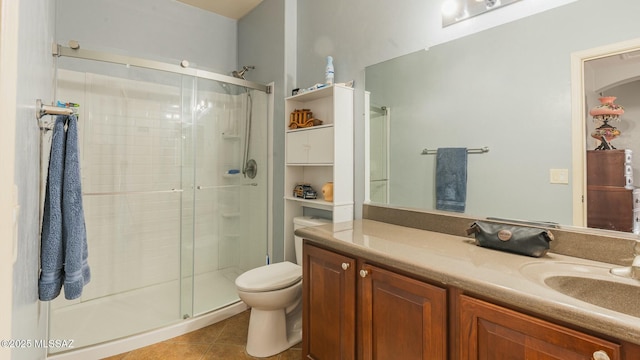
{"points": [[509, 89]]}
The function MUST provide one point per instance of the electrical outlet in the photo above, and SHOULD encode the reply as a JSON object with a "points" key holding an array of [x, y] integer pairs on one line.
{"points": [[559, 176]]}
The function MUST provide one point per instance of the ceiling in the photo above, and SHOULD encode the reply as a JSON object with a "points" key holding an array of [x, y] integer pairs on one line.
{"points": [[234, 9]]}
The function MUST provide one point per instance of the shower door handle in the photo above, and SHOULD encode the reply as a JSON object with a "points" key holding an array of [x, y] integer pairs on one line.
{"points": [[200, 187]]}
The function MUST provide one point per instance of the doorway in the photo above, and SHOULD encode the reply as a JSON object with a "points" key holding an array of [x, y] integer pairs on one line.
{"points": [[610, 70]]}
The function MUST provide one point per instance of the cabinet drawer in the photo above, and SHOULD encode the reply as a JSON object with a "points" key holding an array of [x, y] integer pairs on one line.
{"points": [[607, 168], [310, 146], [610, 208]]}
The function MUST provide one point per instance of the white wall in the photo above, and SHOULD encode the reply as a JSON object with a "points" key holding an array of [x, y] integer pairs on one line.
{"points": [[8, 78], [261, 42], [162, 30], [35, 80]]}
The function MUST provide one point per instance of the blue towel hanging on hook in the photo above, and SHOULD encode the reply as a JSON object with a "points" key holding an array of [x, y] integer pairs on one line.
{"points": [[64, 253]]}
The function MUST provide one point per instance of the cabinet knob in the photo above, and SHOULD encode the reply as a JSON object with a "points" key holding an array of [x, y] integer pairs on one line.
{"points": [[600, 355], [364, 273], [345, 266]]}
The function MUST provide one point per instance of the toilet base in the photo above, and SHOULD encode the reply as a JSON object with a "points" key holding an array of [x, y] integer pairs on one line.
{"points": [[273, 331]]}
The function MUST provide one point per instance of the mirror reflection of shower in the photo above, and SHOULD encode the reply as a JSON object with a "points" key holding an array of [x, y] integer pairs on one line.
{"points": [[380, 126]]}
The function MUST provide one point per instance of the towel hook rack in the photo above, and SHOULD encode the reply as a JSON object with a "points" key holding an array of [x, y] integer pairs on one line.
{"points": [[42, 110], [481, 150]]}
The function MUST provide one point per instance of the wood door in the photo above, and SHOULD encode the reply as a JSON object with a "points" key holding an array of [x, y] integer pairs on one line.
{"points": [[491, 332], [400, 317], [329, 296]]}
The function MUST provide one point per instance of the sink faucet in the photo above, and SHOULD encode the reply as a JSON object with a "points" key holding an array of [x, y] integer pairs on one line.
{"points": [[632, 271]]}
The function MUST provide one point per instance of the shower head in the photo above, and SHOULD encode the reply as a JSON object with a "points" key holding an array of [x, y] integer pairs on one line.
{"points": [[240, 73]]}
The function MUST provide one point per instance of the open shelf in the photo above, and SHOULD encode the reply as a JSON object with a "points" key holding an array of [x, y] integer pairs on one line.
{"points": [[319, 154]]}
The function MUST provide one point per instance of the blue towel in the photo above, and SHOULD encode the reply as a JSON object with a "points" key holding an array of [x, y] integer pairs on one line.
{"points": [[51, 248], [451, 179], [76, 267], [64, 239]]}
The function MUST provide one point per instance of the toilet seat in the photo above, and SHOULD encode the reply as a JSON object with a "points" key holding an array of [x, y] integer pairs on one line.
{"points": [[270, 277]]}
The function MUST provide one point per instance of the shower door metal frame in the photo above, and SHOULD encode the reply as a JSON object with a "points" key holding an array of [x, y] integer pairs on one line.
{"points": [[59, 50]]}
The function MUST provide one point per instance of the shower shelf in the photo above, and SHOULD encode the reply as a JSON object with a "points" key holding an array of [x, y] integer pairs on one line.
{"points": [[230, 137], [231, 176]]}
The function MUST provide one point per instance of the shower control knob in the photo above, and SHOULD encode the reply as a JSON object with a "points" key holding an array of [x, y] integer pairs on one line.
{"points": [[345, 266], [364, 273]]}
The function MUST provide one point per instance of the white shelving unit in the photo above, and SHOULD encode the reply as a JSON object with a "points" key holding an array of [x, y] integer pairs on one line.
{"points": [[319, 154]]}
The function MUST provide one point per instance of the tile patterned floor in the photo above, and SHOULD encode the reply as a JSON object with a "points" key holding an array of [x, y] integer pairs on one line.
{"points": [[225, 340]]}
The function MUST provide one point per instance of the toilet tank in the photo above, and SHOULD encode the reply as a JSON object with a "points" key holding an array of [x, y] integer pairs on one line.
{"points": [[301, 222]]}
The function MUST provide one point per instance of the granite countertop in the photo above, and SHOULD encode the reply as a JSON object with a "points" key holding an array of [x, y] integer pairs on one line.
{"points": [[456, 261]]}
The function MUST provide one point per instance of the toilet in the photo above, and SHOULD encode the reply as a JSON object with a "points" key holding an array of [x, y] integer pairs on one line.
{"points": [[274, 293]]}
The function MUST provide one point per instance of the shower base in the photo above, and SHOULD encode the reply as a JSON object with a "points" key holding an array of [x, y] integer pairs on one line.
{"points": [[115, 324]]}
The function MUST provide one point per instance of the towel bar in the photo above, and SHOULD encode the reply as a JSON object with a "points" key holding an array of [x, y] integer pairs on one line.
{"points": [[481, 150]]}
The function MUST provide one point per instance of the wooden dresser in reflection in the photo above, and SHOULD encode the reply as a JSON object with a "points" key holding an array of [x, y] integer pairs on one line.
{"points": [[613, 203]]}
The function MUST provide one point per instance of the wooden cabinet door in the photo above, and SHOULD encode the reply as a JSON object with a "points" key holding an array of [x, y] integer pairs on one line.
{"points": [[491, 332], [329, 296], [400, 317]]}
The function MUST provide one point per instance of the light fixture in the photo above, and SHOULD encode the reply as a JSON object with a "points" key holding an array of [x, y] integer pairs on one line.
{"points": [[450, 8], [605, 112], [454, 11]]}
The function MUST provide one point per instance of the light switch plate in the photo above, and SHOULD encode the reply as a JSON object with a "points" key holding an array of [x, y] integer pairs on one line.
{"points": [[559, 176]]}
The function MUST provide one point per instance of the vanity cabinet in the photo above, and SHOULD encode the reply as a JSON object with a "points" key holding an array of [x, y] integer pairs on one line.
{"points": [[490, 332], [391, 316], [400, 317], [353, 309], [328, 305]]}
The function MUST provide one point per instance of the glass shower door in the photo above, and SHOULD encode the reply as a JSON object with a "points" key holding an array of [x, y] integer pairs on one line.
{"points": [[131, 139], [230, 229]]}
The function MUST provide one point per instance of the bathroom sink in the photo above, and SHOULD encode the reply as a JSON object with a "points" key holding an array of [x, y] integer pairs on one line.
{"points": [[611, 295], [589, 283]]}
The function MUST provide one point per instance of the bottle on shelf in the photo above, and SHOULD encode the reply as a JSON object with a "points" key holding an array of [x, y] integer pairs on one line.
{"points": [[329, 72]]}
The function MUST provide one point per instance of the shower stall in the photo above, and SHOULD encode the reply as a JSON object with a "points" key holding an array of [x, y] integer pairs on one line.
{"points": [[171, 216]]}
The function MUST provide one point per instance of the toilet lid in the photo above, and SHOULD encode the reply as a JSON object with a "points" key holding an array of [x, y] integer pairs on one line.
{"points": [[270, 277]]}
